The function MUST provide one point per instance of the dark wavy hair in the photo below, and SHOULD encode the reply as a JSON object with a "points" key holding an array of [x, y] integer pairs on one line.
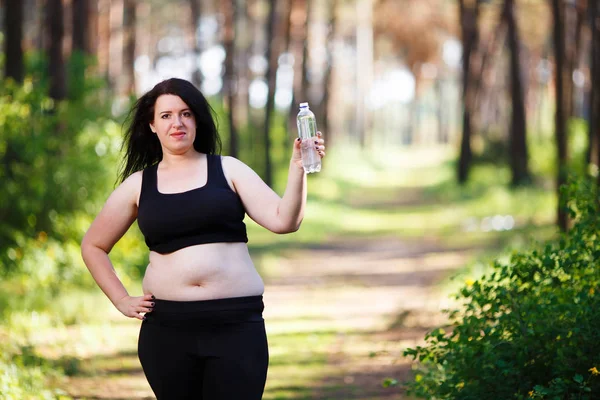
{"points": [[142, 147]]}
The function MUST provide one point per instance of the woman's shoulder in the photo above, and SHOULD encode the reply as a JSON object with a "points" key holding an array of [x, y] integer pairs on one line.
{"points": [[132, 184], [134, 178], [234, 165], [232, 161]]}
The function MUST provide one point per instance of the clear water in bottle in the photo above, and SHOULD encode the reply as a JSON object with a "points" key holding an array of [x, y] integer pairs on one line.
{"points": [[307, 132]]}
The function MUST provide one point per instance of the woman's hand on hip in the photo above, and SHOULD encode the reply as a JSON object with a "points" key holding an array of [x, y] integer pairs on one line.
{"points": [[133, 307]]}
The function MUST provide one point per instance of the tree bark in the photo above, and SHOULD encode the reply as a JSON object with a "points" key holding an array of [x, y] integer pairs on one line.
{"points": [[195, 13], [331, 36], [92, 28], [560, 117], [305, 50], [271, 56], [364, 68], [228, 8], [593, 151], [298, 40], [80, 26], [56, 65], [288, 47], [470, 38], [104, 38], [80, 10], [129, 39], [13, 48], [412, 133], [518, 130]]}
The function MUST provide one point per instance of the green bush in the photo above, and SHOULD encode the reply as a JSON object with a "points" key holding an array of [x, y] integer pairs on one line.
{"points": [[51, 166], [528, 329]]}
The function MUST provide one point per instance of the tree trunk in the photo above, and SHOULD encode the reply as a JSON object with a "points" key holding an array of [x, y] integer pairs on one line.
{"points": [[195, 13], [228, 8], [56, 65], [116, 44], [13, 49], [560, 117], [79, 48], [470, 39], [129, 28], [298, 42], [287, 46], [305, 50], [364, 67], [271, 56], [518, 130], [80, 25], [577, 93], [104, 39], [593, 151], [327, 85], [92, 28]]}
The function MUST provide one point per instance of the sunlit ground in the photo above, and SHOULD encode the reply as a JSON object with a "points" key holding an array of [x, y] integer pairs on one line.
{"points": [[364, 278]]}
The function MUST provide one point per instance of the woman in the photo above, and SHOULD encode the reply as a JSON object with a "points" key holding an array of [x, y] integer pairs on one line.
{"points": [[202, 335]]}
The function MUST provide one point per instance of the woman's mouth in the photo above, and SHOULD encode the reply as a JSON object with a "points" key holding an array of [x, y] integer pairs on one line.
{"points": [[178, 135]]}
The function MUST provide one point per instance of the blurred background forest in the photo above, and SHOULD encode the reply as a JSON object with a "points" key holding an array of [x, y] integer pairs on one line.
{"points": [[452, 121]]}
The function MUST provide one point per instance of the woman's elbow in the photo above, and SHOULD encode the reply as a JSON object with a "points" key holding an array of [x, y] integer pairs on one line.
{"points": [[291, 228]]}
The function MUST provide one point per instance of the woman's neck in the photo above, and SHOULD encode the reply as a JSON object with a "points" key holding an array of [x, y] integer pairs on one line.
{"points": [[180, 160]]}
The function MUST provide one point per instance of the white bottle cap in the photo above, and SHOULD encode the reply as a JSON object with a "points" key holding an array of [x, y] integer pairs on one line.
{"points": [[303, 105]]}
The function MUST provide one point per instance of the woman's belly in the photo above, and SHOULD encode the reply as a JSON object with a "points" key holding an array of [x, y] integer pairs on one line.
{"points": [[203, 272]]}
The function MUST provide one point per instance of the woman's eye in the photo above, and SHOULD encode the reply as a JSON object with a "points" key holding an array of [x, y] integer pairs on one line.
{"points": [[165, 116], [187, 114]]}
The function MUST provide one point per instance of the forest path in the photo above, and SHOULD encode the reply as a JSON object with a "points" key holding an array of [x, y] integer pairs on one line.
{"points": [[338, 315]]}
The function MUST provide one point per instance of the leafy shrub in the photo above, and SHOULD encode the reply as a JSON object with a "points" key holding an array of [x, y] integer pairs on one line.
{"points": [[50, 168], [528, 329]]}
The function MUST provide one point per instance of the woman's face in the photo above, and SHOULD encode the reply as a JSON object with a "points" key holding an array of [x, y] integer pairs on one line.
{"points": [[174, 124]]}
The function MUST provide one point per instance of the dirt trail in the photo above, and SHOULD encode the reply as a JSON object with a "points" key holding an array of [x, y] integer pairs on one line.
{"points": [[380, 296], [376, 297]]}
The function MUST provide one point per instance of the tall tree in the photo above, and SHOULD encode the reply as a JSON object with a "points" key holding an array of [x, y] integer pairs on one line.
{"points": [[104, 38], [228, 9], [297, 44], [245, 47], [80, 11], [518, 130], [364, 67], [303, 89], [56, 65], [272, 53], [80, 16], [331, 35], [593, 151], [13, 48], [92, 28], [469, 15], [287, 47], [129, 39], [195, 13], [561, 76]]}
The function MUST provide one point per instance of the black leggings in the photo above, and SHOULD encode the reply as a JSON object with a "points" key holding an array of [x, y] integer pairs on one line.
{"points": [[205, 350]]}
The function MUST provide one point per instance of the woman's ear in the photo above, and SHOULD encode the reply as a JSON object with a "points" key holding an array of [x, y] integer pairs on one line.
{"points": [[152, 128]]}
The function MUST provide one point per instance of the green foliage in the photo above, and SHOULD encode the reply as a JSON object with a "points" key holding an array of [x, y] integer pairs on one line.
{"points": [[543, 153], [529, 328], [50, 166]]}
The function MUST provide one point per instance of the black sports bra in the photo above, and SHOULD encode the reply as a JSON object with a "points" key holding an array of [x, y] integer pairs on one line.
{"points": [[208, 214]]}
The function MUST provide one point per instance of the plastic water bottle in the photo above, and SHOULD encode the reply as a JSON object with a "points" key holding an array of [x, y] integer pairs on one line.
{"points": [[307, 132]]}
